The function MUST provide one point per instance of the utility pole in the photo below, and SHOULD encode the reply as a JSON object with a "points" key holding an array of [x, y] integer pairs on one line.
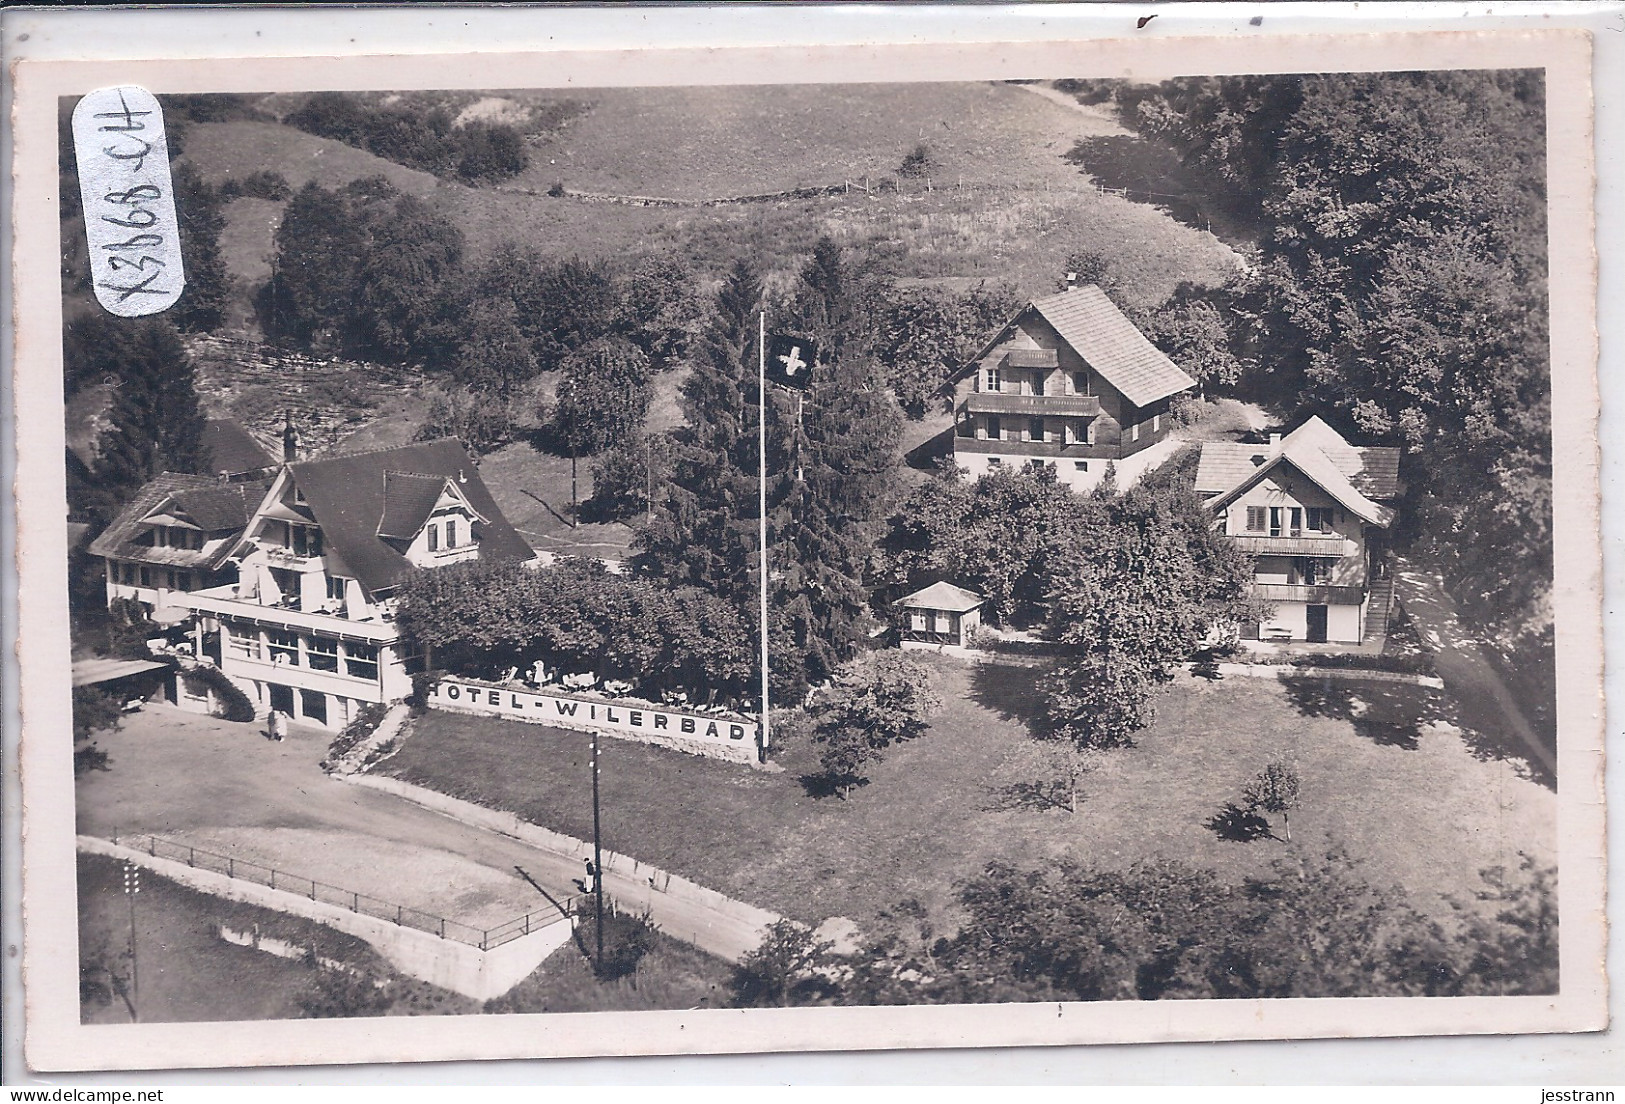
{"points": [[649, 480], [761, 487], [597, 861], [132, 886], [574, 448]]}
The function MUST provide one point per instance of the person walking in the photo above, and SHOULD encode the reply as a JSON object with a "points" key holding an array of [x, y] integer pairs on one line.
{"points": [[277, 726]]}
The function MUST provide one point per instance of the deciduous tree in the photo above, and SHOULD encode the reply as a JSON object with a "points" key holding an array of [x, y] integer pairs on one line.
{"points": [[1276, 791], [875, 701]]}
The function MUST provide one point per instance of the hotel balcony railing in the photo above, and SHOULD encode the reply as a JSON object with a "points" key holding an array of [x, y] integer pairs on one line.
{"points": [[1054, 406], [1309, 544], [223, 602], [278, 556], [1314, 594]]}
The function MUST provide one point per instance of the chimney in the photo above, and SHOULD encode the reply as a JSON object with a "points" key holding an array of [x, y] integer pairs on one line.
{"points": [[1275, 444], [1071, 280], [290, 438]]}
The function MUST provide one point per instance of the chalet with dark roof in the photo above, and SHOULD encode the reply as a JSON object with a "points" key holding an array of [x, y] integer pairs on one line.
{"points": [[1069, 383], [307, 626], [234, 453], [1314, 510], [175, 536]]}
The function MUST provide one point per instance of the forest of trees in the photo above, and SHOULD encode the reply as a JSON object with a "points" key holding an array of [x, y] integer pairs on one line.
{"points": [[427, 138], [1164, 930]]}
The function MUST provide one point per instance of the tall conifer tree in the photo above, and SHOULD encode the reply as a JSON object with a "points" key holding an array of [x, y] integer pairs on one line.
{"points": [[835, 483], [157, 424], [704, 529]]}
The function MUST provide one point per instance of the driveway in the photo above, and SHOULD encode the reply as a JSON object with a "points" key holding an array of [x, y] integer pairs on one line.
{"points": [[1486, 708], [223, 786]]}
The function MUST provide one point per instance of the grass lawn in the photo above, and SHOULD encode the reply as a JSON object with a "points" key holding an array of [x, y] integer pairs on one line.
{"points": [[187, 972], [801, 135], [223, 151], [671, 975], [533, 489], [1408, 800]]}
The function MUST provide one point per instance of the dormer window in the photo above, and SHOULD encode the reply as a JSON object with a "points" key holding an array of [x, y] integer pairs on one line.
{"points": [[304, 540]]}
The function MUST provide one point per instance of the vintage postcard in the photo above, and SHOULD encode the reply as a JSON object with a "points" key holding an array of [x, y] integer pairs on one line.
{"points": [[793, 549]]}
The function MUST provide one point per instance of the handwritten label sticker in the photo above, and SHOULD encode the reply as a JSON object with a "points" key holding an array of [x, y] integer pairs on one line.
{"points": [[129, 202]]}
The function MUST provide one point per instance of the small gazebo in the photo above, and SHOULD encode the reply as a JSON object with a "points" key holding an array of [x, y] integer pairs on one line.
{"points": [[940, 616]]}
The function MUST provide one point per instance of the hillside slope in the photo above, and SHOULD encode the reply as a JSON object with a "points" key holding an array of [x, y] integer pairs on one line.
{"points": [[1003, 203]]}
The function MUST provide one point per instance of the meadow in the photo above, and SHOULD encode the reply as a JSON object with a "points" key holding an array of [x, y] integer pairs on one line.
{"points": [[1003, 203], [1385, 776]]}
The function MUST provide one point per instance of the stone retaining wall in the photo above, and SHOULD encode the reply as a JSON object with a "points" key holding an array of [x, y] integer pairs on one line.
{"points": [[482, 975], [632, 884]]}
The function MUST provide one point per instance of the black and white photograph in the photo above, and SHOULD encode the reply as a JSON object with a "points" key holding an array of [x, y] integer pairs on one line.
{"points": [[1066, 542]]}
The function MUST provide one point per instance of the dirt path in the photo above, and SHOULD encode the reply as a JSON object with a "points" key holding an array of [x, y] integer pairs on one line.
{"points": [[224, 787], [1102, 117], [1485, 704]]}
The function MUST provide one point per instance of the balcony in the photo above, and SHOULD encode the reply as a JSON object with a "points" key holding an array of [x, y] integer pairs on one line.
{"points": [[1049, 450], [223, 602], [1319, 545], [1053, 406], [291, 560], [1031, 358], [1314, 595]]}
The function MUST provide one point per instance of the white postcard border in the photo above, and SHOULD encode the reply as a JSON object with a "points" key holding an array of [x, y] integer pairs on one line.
{"points": [[56, 1040]]}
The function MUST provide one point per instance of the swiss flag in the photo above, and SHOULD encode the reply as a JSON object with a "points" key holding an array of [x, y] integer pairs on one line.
{"points": [[790, 361]]}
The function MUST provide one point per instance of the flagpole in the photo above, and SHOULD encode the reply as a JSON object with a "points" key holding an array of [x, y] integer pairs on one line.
{"points": [[761, 486]]}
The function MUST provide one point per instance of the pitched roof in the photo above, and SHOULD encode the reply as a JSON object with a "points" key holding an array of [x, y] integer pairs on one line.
{"points": [[1091, 323], [1373, 471], [1226, 469], [233, 450], [942, 596], [215, 508], [347, 495], [201, 499], [1086, 319], [409, 499]]}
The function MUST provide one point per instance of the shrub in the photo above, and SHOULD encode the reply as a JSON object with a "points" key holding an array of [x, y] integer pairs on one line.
{"points": [[419, 698], [1402, 664], [622, 475], [877, 700], [918, 162], [264, 184], [343, 992], [94, 710], [90, 758], [355, 733], [230, 702], [627, 938], [787, 968], [430, 140], [127, 630]]}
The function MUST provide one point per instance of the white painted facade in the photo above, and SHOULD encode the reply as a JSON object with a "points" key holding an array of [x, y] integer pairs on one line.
{"points": [[297, 636]]}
